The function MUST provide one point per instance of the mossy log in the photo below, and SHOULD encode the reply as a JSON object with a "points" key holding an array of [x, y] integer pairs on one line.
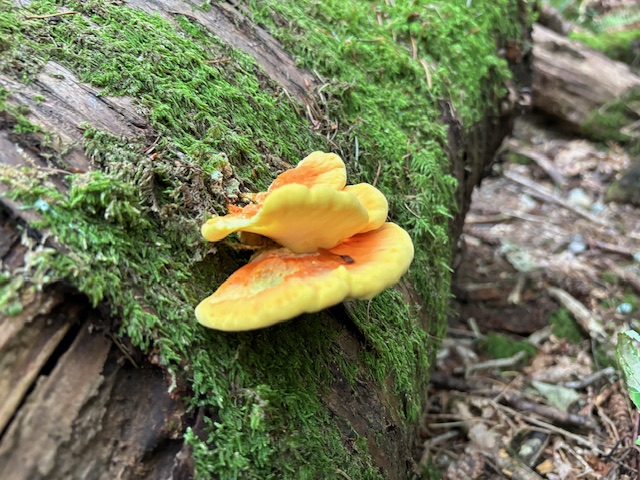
{"points": [[588, 92], [123, 125]]}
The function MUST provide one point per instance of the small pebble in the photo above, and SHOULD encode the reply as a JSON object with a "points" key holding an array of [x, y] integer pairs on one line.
{"points": [[579, 198], [577, 244], [527, 203], [624, 308], [636, 257], [597, 207]]}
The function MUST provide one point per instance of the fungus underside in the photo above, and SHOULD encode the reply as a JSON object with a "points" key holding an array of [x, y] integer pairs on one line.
{"points": [[201, 130]]}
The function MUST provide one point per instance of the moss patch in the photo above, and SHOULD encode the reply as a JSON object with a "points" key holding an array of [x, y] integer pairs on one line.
{"points": [[501, 346], [608, 121], [396, 347], [564, 326], [387, 67], [131, 228], [619, 45]]}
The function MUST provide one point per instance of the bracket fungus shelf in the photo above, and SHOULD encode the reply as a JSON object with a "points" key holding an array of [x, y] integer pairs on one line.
{"points": [[333, 244]]}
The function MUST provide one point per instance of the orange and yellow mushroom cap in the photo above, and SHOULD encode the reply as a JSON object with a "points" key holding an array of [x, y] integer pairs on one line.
{"points": [[300, 218], [305, 208], [318, 168], [336, 245], [279, 284]]}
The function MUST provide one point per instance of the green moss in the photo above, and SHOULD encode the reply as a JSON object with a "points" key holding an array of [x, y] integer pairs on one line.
{"points": [[502, 346], [10, 294], [564, 326], [390, 107], [517, 158], [609, 277], [618, 45], [397, 347], [431, 471], [131, 228], [607, 122]]}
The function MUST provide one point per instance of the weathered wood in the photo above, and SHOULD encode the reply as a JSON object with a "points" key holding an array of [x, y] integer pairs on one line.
{"points": [[40, 334], [584, 89], [94, 416]]}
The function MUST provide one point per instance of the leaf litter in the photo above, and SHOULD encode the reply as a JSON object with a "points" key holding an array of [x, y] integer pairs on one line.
{"points": [[527, 385]]}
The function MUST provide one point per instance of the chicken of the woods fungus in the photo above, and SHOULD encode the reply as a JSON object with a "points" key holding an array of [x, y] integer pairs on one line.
{"points": [[333, 244]]}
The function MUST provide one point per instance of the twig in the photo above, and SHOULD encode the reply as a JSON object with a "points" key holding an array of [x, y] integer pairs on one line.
{"points": [[558, 417], [497, 363], [544, 162], [343, 474], [590, 322], [515, 296], [623, 274], [473, 325], [611, 247], [475, 219], [54, 170], [425, 65], [414, 47], [455, 383], [375, 180], [585, 382], [536, 338], [429, 444], [51, 15], [217, 60], [551, 428], [414, 213], [543, 193], [123, 349]]}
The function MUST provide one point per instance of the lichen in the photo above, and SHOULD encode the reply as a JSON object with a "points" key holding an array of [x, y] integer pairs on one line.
{"points": [[131, 227]]}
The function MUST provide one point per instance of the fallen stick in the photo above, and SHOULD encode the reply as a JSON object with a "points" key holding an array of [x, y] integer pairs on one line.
{"points": [[547, 195]]}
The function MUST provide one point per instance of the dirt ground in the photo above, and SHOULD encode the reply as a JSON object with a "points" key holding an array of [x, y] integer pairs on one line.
{"points": [[526, 384]]}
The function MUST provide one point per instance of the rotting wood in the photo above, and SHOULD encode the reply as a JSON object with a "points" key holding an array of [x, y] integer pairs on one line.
{"points": [[71, 404], [94, 416], [573, 83], [39, 331]]}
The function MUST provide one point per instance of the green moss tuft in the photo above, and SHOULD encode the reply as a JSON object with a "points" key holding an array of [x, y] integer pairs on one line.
{"points": [[618, 45], [564, 326], [397, 347], [502, 346], [607, 122]]}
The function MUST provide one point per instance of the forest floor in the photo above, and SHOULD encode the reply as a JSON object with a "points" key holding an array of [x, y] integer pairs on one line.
{"points": [[526, 384]]}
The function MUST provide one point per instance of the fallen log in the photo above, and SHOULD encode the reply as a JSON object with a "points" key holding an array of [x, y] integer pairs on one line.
{"points": [[586, 91], [123, 126]]}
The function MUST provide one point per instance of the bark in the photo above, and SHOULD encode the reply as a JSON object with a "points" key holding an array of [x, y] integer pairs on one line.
{"points": [[587, 91], [78, 402]]}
